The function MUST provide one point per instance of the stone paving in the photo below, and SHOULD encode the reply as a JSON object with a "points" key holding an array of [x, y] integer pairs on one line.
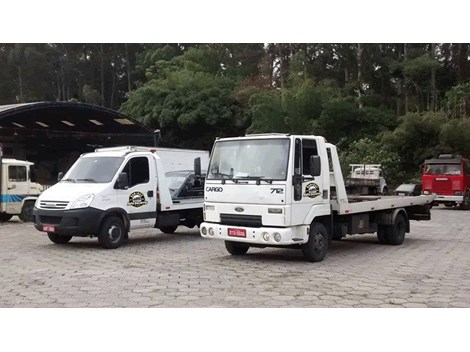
{"points": [[430, 269]]}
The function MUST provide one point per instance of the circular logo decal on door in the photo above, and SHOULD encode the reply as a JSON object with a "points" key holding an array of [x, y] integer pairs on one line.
{"points": [[312, 190], [137, 199]]}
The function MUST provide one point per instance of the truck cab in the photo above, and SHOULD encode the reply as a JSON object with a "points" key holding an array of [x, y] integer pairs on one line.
{"points": [[18, 191], [111, 191], [448, 176], [281, 190]]}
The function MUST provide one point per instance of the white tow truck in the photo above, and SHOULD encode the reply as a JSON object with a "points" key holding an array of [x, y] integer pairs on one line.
{"points": [[113, 190], [18, 192], [280, 190]]}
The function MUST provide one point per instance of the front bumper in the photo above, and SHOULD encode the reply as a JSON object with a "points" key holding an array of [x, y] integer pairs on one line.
{"points": [[445, 199], [289, 235], [76, 222]]}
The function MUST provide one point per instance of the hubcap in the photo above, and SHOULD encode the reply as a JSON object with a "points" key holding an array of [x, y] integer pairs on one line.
{"points": [[318, 242], [114, 233]]}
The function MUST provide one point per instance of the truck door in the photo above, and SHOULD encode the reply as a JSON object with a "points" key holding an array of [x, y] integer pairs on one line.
{"points": [[311, 189], [17, 187], [139, 199]]}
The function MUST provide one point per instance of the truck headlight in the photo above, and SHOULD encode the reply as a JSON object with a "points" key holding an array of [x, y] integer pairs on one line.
{"points": [[265, 236], [426, 192], [210, 207], [458, 193], [275, 210], [83, 201], [277, 237]]}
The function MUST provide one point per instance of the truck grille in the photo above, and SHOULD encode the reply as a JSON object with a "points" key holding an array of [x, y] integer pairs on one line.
{"points": [[241, 220], [50, 204]]}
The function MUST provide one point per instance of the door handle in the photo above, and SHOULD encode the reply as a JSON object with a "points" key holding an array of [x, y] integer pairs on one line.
{"points": [[150, 194]]}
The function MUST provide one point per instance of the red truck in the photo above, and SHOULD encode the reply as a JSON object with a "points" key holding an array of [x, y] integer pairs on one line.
{"points": [[448, 176]]}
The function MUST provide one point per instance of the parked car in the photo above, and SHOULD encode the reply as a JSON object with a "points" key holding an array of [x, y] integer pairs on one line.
{"points": [[408, 189]]}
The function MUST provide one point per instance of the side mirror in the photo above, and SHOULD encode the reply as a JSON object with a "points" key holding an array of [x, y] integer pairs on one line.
{"points": [[122, 181], [60, 175], [197, 166], [315, 165]]}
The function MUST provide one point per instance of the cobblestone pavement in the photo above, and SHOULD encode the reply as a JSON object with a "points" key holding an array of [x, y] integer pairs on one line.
{"points": [[431, 269]]}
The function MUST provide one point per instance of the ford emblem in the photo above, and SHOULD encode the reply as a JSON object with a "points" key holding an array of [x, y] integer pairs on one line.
{"points": [[239, 209]]}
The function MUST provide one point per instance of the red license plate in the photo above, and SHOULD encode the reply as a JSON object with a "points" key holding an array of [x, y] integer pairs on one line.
{"points": [[48, 228], [237, 232]]}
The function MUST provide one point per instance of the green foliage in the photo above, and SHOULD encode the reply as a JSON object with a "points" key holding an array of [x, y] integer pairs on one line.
{"points": [[455, 137], [416, 138], [370, 151]]}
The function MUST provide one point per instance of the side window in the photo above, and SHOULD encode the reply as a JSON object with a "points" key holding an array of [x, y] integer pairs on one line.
{"points": [[309, 147], [137, 170], [17, 173], [466, 168]]}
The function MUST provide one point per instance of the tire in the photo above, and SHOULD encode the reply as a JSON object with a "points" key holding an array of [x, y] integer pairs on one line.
{"points": [[448, 205], [382, 234], [396, 234], [168, 229], [5, 217], [236, 248], [317, 246], [27, 212], [112, 232], [58, 239], [465, 205]]}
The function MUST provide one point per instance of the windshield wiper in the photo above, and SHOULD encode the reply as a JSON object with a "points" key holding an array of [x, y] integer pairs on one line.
{"points": [[68, 180], [257, 178], [86, 180], [230, 177]]}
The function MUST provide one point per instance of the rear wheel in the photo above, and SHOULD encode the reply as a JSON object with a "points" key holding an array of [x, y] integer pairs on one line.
{"points": [[236, 248], [396, 235], [27, 212], [5, 217], [58, 239], [112, 232], [168, 229], [382, 234], [317, 246]]}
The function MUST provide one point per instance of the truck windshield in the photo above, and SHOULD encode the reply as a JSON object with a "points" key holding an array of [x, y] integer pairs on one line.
{"points": [[93, 169], [442, 169], [263, 159]]}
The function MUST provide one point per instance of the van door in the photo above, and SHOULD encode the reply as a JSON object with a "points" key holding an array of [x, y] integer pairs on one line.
{"points": [[139, 199], [17, 188]]}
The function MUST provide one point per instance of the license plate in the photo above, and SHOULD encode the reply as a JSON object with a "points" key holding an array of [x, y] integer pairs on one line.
{"points": [[48, 228], [237, 232]]}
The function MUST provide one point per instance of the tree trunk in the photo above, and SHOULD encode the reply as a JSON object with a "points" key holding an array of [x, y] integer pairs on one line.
{"points": [[407, 98], [20, 83], [359, 74], [433, 79], [102, 73], [114, 77], [128, 65]]}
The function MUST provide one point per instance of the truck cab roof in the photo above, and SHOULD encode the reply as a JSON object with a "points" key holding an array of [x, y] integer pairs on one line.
{"points": [[16, 162]]}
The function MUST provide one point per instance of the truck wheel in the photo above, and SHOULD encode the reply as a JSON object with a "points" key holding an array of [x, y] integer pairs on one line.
{"points": [[5, 217], [317, 246], [465, 205], [56, 238], [168, 229], [112, 232], [382, 234], [396, 235], [235, 248], [27, 212]]}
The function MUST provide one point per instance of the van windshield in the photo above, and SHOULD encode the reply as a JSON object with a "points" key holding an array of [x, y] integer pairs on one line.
{"points": [[442, 169], [93, 169]]}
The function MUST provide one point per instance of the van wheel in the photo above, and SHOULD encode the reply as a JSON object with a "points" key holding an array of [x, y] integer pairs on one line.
{"points": [[235, 248], [58, 239], [382, 234], [27, 212], [168, 229], [317, 246], [112, 232], [5, 217], [396, 235]]}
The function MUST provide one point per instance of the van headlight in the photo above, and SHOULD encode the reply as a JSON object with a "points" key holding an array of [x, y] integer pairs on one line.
{"points": [[83, 201]]}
